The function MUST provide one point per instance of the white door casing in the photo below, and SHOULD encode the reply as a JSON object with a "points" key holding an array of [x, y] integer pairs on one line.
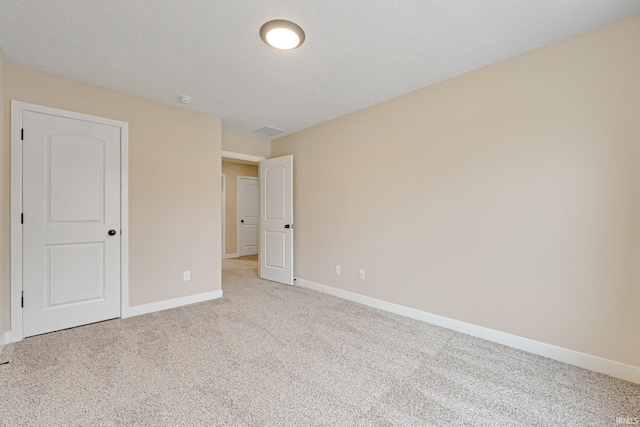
{"points": [[276, 220], [224, 214], [73, 270], [248, 214]]}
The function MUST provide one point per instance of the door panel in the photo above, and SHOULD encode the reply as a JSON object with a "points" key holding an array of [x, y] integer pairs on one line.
{"points": [[71, 199], [276, 220], [251, 194], [275, 243], [275, 205], [75, 273], [76, 179], [251, 233], [248, 212]]}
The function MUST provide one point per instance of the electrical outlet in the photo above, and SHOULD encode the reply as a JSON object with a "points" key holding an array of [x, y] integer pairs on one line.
{"points": [[361, 274], [338, 270], [186, 276]]}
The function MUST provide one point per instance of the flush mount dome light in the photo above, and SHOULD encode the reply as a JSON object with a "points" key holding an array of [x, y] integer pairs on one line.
{"points": [[281, 34]]}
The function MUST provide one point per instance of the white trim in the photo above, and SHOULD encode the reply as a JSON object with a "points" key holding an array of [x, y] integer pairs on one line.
{"points": [[236, 255], [172, 303], [5, 338], [17, 109], [224, 214], [16, 228], [572, 357], [124, 219], [241, 156], [238, 247]]}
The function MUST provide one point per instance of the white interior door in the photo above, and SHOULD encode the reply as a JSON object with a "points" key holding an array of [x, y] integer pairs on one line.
{"points": [[248, 210], [71, 230], [276, 220]]}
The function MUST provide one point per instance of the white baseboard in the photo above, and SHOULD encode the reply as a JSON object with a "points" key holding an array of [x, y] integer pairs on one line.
{"points": [[172, 303], [583, 360], [5, 338], [231, 255]]}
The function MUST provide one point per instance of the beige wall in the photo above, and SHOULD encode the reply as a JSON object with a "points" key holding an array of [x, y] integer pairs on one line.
{"points": [[174, 181], [233, 171], [239, 143], [508, 197], [4, 242]]}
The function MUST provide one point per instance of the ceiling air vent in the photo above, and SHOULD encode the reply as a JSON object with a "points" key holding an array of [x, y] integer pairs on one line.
{"points": [[269, 131]]}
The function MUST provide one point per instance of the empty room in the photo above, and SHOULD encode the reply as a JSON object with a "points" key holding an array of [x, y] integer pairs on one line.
{"points": [[339, 213]]}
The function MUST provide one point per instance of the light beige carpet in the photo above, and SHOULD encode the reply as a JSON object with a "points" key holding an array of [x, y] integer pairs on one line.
{"points": [[269, 354], [5, 353]]}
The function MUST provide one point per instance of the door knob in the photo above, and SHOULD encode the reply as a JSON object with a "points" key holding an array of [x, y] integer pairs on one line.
{"points": [[287, 226], [242, 220], [112, 232]]}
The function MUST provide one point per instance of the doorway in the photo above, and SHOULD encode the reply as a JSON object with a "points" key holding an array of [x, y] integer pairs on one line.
{"points": [[274, 217], [231, 170]]}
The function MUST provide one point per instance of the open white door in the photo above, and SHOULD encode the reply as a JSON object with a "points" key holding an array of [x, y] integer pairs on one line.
{"points": [[276, 220]]}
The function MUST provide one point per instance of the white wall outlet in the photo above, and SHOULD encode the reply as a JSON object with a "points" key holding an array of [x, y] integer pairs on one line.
{"points": [[338, 270], [361, 274], [186, 276]]}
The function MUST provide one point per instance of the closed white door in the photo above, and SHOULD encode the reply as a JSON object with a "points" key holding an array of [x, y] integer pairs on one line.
{"points": [[71, 229], [248, 210], [276, 220]]}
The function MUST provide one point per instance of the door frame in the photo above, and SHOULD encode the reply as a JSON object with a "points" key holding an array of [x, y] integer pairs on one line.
{"points": [[224, 215], [17, 110], [257, 179]]}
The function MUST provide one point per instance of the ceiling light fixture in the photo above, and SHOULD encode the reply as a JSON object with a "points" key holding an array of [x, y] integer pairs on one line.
{"points": [[186, 99], [281, 34]]}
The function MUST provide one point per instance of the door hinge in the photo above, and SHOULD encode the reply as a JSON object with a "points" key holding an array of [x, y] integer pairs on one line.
{"points": [[22, 300], [22, 134], [21, 218]]}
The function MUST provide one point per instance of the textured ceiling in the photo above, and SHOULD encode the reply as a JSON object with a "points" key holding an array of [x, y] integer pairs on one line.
{"points": [[357, 53]]}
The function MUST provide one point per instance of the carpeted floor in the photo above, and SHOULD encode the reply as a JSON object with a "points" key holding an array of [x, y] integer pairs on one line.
{"points": [[270, 354], [4, 355]]}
